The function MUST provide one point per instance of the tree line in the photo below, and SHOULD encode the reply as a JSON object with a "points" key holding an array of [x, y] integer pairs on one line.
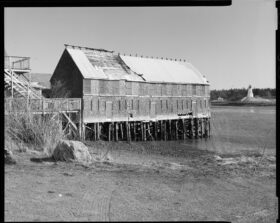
{"points": [[236, 94]]}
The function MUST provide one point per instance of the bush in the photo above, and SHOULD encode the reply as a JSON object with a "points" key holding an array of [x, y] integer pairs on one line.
{"points": [[37, 131]]}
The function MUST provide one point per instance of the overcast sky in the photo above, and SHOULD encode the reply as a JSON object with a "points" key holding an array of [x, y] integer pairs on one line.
{"points": [[232, 46]]}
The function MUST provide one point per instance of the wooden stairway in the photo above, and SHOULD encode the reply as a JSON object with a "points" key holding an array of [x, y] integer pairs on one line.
{"points": [[20, 85]]}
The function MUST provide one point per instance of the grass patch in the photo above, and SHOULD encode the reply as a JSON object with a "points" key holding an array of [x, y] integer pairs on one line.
{"points": [[24, 128]]}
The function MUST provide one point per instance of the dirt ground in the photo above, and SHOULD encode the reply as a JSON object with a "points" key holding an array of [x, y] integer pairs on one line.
{"points": [[152, 181]]}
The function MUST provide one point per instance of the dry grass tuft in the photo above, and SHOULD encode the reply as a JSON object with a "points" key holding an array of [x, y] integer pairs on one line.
{"points": [[34, 130]]}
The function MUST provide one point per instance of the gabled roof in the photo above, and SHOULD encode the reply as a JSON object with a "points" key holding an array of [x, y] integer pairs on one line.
{"points": [[104, 64], [161, 70], [101, 64]]}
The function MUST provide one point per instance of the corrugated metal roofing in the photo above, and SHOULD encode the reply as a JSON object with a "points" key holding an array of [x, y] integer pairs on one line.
{"points": [[160, 70]]}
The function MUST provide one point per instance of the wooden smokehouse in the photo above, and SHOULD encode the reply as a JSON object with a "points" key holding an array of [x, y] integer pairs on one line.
{"points": [[135, 97]]}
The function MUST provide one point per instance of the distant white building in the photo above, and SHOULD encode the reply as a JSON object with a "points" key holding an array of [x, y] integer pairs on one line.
{"points": [[220, 99], [250, 92]]}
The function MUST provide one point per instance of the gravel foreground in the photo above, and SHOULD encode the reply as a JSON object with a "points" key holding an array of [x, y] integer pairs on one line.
{"points": [[143, 182]]}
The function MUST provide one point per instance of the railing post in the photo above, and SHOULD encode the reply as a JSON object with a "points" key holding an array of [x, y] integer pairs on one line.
{"points": [[12, 82]]}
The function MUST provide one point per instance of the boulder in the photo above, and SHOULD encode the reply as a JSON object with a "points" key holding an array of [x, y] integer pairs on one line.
{"points": [[68, 150], [9, 158]]}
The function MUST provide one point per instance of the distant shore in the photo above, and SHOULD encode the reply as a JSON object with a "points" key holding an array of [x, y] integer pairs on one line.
{"points": [[238, 103]]}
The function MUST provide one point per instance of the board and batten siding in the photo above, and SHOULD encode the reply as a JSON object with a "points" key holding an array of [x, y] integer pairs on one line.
{"points": [[114, 100]]}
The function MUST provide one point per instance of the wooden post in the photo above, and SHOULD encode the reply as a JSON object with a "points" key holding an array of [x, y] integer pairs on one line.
{"points": [[144, 130], [191, 128], [161, 130], [202, 127], [109, 132], [209, 125], [176, 129], [97, 131], [170, 129], [149, 131], [83, 131], [155, 130], [196, 128], [121, 125], [117, 131], [134, 131], [128, 131], [184, 129], [80, 124], [12, 73], [165, 130]]}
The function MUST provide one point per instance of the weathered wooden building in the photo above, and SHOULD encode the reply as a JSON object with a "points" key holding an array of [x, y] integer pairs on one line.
{"points": [[135, 97]]}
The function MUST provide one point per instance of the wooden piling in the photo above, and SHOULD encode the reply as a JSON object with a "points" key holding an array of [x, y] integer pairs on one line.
{"points": [[164, 129], [109, 132], [117, 132], [209, 125], [155, 130], [128, 131], [176, 129], [184, 129], [144, 131], [170, 129]]}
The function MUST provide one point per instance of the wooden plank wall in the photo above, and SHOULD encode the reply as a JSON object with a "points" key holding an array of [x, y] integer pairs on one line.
{"points": [[136, 97]]}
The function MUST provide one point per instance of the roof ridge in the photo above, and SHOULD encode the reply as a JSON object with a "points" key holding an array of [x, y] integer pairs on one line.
{"points": [[151, 57], [87, 48]]}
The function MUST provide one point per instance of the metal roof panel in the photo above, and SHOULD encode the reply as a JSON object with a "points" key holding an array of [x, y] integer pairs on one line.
{"points": [[160, 70]]}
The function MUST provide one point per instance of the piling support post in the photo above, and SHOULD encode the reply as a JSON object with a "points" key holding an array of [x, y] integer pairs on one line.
{"points": [[155, 129], [176, 129], [117, 131], [184, 129], [128, 131]]}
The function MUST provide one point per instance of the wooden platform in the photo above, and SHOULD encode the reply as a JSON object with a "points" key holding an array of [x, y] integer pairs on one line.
{"points": [[180, 127]]}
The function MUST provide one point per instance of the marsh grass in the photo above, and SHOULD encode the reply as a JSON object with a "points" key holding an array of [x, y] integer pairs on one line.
{"points": [[26, 129]]}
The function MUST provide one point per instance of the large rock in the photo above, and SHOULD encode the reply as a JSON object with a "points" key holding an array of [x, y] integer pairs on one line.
{"points": [[67, 150], [9, 158]]}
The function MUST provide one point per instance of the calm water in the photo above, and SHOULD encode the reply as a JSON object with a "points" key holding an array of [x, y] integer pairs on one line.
{"points": [[236, 129]]}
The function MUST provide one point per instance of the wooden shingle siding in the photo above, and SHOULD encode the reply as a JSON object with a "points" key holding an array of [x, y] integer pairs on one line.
{"points": [[122, 87], [87, 86], [194, 90], [135, 88], [128, 88], [137, 97]]}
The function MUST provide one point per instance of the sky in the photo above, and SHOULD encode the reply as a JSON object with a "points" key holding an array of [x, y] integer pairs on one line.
{"points": [[233, 46]]}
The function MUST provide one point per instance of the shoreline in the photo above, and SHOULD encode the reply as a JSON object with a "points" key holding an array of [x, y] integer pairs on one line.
{"points": [[243, 104]]}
